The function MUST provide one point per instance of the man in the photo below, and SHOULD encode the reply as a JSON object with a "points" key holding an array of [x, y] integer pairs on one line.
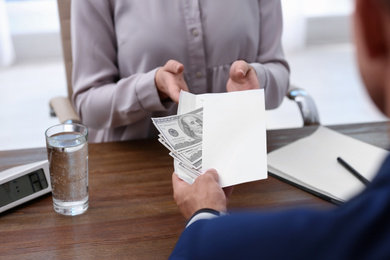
{"points": [[359, 229]]}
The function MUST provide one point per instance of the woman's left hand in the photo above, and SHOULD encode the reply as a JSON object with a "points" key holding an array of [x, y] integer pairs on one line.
{"points": [[242, 77]]}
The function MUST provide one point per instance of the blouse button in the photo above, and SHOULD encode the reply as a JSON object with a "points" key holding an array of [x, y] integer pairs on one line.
{"points": [[198, 75], [195, 32]]}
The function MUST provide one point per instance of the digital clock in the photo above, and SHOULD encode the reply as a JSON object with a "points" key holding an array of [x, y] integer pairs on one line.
{"points": [[23, 183]]}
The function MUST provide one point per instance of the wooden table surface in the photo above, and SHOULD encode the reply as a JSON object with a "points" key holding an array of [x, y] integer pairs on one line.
{"points": [[132, 214]]}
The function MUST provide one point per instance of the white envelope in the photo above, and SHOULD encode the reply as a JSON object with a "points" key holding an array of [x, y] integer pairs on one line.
{"points": [[234, 134]]}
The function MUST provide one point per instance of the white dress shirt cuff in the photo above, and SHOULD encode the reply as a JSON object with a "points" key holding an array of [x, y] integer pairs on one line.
{"points": [[204, 214]]}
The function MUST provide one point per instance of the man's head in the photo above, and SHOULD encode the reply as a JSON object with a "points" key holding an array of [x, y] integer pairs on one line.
{"points": [[372, 39]]}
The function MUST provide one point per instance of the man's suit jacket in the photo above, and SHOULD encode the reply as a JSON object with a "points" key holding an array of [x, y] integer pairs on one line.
{"points": [[359, 229]]}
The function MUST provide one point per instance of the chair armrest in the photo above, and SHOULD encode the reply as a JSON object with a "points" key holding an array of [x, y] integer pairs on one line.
{"points": [[306, 105], [63, 109]]}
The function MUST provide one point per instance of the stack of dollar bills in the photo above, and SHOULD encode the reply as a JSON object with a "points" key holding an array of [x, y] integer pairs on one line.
{"points": [[182, 135]]}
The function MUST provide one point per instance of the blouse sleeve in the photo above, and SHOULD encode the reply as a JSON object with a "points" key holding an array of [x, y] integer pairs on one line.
{"points": [[271, 67], [101, 97]]}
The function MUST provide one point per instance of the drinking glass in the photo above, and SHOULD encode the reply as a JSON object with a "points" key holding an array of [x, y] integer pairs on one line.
{"points": [[67, 152]]}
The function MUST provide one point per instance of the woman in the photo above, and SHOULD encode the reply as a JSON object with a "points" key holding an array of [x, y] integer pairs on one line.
{"points": [[132, 58]]}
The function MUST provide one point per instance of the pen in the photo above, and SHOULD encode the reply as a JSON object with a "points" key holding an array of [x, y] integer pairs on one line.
{"points": [[353, 171]]}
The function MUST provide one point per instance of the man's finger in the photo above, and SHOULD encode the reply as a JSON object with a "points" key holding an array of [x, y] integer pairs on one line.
{"points": [[228, 191], [213, 174], [177, 182]]}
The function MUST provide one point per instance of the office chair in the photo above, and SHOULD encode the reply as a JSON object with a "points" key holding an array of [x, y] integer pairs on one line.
{"points": [[62, 106]]}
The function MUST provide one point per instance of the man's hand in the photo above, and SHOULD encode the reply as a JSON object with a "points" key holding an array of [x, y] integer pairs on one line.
{"points": [[205, 192], [169, 80], [242, 77]]}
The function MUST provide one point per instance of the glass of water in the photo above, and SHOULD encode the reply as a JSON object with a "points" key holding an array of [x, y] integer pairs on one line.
{"points": [[67, 152]]}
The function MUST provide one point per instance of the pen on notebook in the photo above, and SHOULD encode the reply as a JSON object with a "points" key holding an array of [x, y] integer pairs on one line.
{"points": [[353, 171]]}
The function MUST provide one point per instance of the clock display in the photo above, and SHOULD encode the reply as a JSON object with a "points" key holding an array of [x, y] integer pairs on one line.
{"points": [[22, 187]]}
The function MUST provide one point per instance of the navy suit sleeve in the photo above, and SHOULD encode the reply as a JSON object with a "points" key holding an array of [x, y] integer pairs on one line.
{"points": [[359, 229]]}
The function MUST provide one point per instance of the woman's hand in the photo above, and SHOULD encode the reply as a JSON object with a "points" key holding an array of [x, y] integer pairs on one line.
{"points": [[170, 81], [242, 77]]}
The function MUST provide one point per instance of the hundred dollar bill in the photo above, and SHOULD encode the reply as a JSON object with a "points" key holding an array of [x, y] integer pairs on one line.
{"points": [[162, 141], [186, 174], [192, 157], [191, 172], [181, 132]]}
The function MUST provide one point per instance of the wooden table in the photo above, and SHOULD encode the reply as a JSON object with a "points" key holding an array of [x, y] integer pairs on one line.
{"points": [[132, 214]]}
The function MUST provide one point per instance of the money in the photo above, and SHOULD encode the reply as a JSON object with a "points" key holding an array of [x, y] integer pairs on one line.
{"points": [[182, 136], [181, 132], [195, 164]]}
